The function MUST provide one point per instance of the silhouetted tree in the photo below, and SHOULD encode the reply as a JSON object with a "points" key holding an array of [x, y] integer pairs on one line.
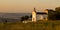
{"points": [[54, 15], [51, 13], [24, 18], [58, 13], [57, 9]]}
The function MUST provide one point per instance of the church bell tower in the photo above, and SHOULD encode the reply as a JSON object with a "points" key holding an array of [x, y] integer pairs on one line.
{"points": [[34, 15]]}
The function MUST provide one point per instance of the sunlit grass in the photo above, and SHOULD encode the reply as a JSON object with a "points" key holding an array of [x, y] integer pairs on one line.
{"points": [[39, 25]]}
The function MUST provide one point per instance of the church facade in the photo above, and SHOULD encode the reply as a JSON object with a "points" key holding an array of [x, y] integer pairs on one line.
{"points": [[39, 15]]}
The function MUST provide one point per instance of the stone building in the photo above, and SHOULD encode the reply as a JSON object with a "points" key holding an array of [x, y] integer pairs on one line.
{"points": [[39, 15]]}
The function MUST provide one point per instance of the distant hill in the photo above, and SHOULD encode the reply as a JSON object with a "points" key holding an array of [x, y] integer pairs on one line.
{"points": [[13, 16]]}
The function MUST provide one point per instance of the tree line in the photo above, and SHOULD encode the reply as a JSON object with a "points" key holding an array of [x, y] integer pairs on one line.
{"points": [[54, 14]]}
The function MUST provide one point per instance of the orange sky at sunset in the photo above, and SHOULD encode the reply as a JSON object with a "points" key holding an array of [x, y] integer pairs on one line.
{"points": [[26, 6]]}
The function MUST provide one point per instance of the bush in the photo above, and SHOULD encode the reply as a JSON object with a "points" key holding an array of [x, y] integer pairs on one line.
{"points": [[24, 18]]}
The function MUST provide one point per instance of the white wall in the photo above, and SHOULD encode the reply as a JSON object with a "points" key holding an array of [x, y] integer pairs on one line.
{"points": [[40, 17]]}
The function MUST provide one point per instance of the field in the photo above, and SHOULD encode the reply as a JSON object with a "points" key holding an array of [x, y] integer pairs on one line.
{"points": [[39, 25]]}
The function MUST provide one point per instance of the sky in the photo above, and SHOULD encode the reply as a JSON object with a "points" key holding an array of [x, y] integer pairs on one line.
{"points": [[26, 6]]}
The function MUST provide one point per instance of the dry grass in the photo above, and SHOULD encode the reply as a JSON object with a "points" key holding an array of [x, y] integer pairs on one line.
{"points": [[39, 25]]}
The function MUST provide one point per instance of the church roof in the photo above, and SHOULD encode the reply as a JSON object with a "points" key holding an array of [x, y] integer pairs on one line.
{"points": [[41, 13]]}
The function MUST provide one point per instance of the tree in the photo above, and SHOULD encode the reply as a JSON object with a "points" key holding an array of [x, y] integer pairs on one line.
{"points": [[57, 9], [51, 14], [58, 13], [24, 18], [54, 15]]}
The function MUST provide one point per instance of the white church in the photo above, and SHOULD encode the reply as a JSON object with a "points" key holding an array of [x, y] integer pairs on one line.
{"points": [[39, 15]]}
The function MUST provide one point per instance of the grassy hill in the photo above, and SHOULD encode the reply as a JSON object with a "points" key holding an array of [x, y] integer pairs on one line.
{"points": [[39, 25]]}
